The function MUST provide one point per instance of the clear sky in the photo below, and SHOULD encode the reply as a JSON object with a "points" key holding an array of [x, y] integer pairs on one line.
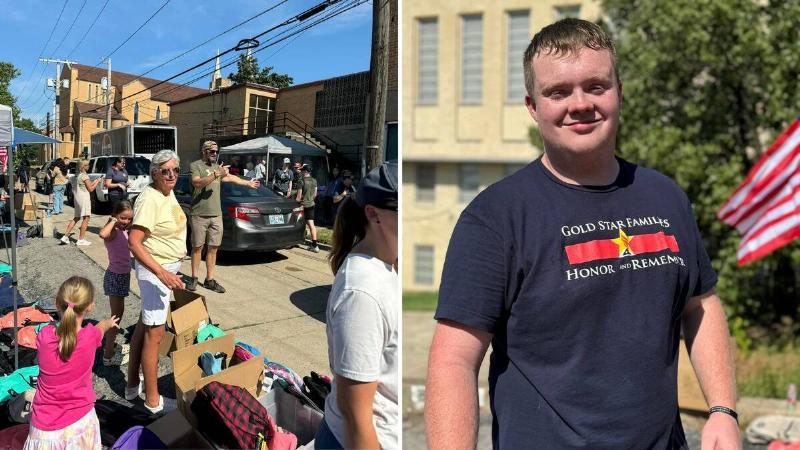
{"points": [[336, 47]]}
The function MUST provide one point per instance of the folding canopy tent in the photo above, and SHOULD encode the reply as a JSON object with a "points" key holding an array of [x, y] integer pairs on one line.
{"points": [[276, 145], [10, 137]]}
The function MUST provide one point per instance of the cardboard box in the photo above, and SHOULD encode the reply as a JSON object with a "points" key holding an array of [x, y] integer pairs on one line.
{"points": [[176, 432], [189, 376], [29, 213], [22, 199], [187, 315]]}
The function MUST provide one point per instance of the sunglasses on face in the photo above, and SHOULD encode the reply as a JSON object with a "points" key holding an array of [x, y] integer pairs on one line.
{"points": [[174, 171]]}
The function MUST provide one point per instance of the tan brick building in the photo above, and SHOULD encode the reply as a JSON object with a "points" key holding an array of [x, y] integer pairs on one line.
{"points": [[82, 106], [465, 124]]}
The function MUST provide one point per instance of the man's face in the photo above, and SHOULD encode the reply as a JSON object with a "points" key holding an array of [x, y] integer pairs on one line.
{"points": [[211, 153], [576, 101], [348, 181]]}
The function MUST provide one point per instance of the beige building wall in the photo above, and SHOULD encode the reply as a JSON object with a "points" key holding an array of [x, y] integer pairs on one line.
{"points": [[147, 106], [461, 144], [299, 100], [228, 107]]}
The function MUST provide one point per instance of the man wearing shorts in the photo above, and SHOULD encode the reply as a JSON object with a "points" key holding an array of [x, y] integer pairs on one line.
{"points": [[206, 212], [306, 195]]}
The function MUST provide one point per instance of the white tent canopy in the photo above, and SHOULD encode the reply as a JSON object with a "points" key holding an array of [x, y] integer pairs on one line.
{"points": [[6, 126]]}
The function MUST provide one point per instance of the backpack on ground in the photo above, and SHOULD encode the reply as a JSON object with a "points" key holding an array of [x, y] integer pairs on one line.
{"points": [[14, 437], [19, 407], [115, 419], [231, 416], [137, 438]]}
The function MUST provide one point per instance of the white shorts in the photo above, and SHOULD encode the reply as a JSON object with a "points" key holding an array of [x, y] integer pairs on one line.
{"points": [[155, 295]]}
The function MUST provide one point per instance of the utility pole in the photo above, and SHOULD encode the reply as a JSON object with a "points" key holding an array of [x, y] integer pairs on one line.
{"points": [[108, 95], [57, 89], [379, 80]]}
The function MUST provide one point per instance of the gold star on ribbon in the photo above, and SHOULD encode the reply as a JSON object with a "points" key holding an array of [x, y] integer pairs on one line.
{"points": [[624, 243]]}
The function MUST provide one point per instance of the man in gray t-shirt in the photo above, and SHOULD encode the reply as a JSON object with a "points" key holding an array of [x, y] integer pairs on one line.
{"points": [[206, 212]]}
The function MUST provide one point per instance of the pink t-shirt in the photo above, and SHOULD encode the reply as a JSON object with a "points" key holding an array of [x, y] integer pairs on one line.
{"points": [[119, 257], [64, 393]]}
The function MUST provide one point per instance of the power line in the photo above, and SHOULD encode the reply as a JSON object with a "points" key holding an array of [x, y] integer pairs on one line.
{"points": [[211, 39], [243, 44], [69, 30], [137, 30], [88, 29], [41, 52]]}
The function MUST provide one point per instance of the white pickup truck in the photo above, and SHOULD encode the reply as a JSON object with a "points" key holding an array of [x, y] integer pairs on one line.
{"points": [[137, 167]]}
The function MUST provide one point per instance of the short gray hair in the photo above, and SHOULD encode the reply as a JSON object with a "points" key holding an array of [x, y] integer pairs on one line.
{"points": [[162, 157]]}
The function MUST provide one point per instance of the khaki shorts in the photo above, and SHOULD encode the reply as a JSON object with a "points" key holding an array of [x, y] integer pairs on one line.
{"points": [[206, 230]]}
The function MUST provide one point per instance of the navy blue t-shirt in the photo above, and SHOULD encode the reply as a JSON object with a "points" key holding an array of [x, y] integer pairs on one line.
{"points": [[583, 288]]}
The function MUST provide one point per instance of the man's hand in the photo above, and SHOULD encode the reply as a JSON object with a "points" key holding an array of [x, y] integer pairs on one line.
{"points": [[254, 183], [223, 171], [170, 280], [721, 432]]}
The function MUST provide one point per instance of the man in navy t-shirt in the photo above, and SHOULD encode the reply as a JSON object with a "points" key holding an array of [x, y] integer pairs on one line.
{"points": [[580, 270]]}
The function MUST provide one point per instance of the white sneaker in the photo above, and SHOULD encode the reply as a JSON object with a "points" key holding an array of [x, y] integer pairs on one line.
{"points": [[83, 242], [164, 405], [134, 392], [65, 239]]}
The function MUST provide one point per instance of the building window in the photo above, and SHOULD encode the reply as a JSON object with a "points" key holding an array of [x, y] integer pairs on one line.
{"points": [[259, 114], [89, 97], [471, 58], [98, 123], [468, 182], [104, 124], [518, 40], [428, 72], [426, 182], [136, 112], [158, 112], [566, 11], [423, 264]]}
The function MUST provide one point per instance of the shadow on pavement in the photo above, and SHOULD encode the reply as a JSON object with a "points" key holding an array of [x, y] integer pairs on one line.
{"points": [[247, 258], [312, 301]]}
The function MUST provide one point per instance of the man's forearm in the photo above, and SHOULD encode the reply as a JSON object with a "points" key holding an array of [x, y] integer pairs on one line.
{"points": [[708, 342], [451, 405]]}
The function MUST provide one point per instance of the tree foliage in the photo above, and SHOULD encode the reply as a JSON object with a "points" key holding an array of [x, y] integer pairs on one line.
{"points": [[707, 87], [248, 71], [7, 73]]}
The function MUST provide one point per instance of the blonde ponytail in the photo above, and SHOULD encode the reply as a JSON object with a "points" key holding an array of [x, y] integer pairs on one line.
{"points": [[74, 297]]}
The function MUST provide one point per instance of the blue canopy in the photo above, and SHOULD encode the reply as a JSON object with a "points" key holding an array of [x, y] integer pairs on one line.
{"points": [[29, 137]]}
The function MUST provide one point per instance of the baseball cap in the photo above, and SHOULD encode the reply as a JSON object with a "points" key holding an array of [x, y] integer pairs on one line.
{"points": [[287, 161], [306, 168], [379, 187], [208, 145]]}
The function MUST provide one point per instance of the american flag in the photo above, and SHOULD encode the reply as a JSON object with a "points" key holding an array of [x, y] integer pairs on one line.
{"points": [[765, 209]]}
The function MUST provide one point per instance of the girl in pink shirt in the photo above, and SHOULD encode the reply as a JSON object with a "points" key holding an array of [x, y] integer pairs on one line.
{"points": [[62, 411], [117, 279]]}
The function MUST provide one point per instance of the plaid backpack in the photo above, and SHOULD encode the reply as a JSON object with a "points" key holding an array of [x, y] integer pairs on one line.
{"points": [[231, 416]]}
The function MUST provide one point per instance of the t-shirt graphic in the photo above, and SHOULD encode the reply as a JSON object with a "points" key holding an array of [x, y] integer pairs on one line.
{"points": [[583, 288]]}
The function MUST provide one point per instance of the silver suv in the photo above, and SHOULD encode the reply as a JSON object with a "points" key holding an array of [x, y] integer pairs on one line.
{"points": [[137, 167]]}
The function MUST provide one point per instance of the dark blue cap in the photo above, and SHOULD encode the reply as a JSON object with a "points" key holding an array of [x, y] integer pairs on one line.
{"points": [[379, 187]]}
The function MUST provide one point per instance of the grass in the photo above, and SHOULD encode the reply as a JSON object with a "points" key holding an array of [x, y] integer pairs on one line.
{"points": [[766, 372], [324, 235], [420, 301]]}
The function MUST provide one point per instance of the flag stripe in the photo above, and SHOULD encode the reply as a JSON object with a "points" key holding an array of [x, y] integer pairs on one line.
{"points": [[789, 194], [756, 197], [775, 241], [780, 150]]}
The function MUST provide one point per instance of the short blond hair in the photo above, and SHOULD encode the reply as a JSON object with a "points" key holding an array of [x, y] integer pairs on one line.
{"points": [[567, 37], [208, 144]]}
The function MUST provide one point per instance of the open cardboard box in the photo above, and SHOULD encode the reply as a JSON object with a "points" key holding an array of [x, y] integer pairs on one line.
{"points": [[189, 376], [187, 315]]}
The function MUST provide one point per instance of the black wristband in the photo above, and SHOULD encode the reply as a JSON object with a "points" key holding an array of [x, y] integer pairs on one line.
{"points": [[724, 410]]}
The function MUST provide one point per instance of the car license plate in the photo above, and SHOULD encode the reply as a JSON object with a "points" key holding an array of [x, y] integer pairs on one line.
{"points": [[276, 219]]}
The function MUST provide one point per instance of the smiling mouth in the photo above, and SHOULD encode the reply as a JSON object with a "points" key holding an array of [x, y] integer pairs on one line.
{"points": [[585, 126]]}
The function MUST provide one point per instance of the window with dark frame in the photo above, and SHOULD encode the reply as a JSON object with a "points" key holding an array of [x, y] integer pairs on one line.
{"points": [[426, 182], [423, 264]]}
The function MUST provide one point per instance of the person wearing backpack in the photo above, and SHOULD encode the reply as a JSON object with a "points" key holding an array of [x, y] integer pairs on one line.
{"points": [[362, 318], [62, 412]]}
